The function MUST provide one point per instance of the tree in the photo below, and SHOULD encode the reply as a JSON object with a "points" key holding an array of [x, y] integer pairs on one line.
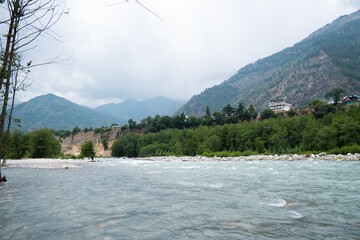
{"points": [[267, 113], [191, 146], [213, 144], [218, 118], [228, 110], [259, 145], [87, 150], [26, 21], [43, 144], [18, 145], [16, 85], [207, 114], [240, 112], [252, 112], [126, 146], [194, 122], [335, 94], [240, 109], [76, 130], [132, 123]]}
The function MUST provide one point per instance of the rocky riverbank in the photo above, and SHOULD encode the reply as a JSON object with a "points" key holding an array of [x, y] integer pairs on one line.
{"points": [[45, 163], [285, 157]]}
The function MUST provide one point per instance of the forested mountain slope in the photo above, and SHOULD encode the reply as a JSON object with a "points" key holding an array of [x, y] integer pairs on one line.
{"points": [[327, 59]]}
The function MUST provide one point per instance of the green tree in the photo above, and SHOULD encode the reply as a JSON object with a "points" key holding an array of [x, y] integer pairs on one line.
{"points": [[178, 121], [228, 110], [43, 144], [326, 138], [207, 114], [87, 150], [309, 138], [18, 145], [191, 147], [252, 111], [240, 109], [259, 145], [350, 133], [335, 95], [219, 118], [132, 123], [267, 113], [126, 146], [76, 130], [213, 144], [194, 122]]}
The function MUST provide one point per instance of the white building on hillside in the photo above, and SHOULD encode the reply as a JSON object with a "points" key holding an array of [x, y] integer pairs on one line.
{"points": [[280, 106]]}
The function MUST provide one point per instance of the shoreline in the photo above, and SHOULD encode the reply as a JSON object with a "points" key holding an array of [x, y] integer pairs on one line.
{"points": [[45, 163], [284, 157], [48, 163]]}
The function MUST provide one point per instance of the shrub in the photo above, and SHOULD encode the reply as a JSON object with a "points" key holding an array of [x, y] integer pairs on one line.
{"points": [[345, 150]]}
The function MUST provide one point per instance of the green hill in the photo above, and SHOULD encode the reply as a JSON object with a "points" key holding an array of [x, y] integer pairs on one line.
{"points": [[327, 59], [50, 111]]}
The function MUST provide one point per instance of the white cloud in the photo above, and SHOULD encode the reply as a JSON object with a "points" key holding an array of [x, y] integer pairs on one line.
{"points": [[125, 51]]}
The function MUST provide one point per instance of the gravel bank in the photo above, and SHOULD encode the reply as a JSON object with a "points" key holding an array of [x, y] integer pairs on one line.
{"points": [[285, 157], [45, 163]]}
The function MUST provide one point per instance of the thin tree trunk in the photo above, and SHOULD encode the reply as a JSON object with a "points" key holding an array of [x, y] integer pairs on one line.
{"points": [[7, 54], [9, 121], [8, 78]]}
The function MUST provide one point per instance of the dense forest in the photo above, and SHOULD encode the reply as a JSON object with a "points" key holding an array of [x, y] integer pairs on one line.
{"points": [[335, 129]]}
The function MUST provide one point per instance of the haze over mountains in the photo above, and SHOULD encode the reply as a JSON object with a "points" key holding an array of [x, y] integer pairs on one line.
{"points": [[51, 111], [327, 59], [137, 110]]}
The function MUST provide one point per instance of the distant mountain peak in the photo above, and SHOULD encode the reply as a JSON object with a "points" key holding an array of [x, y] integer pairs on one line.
{"points": [[138, 110], [52, 111]]}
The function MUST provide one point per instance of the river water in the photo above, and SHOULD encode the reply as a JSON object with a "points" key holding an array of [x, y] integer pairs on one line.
{"points": [[132, 199]]}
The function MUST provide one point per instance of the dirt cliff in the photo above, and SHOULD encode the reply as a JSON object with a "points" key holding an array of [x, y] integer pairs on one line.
{"points": [[72, 144]]}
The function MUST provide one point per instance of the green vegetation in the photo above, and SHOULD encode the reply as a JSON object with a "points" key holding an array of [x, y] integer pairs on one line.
{"points": [[87, 150], [328, 128], [43, 144], [335, 95], [38, 144]]}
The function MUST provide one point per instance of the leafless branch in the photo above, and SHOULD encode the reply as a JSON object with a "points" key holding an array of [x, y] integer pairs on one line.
{"points": [[148, 10], [137, 1]]}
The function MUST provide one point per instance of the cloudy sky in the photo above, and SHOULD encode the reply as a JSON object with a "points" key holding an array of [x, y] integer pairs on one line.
{"points": [[123, 51]]}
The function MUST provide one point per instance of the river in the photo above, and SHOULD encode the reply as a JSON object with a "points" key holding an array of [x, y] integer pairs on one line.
{"points": [[132, 199]]}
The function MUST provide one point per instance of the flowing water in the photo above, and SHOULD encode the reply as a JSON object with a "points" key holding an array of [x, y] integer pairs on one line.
{"points": [[132, 199]]}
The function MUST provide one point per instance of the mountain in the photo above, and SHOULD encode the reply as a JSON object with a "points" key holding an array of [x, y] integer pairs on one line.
{"points": [[327, 59], [137, 110], [54, 112]]}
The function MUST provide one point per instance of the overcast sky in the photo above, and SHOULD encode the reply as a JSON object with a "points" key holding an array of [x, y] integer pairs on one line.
{"points": [[123, 51]]}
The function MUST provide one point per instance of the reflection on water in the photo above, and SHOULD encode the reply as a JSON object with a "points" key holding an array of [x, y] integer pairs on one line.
{"points": [[129, 199]]}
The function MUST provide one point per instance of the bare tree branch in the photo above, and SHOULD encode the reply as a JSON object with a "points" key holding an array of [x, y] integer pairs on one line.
{"points": [[148, 10], [137, 1]]}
